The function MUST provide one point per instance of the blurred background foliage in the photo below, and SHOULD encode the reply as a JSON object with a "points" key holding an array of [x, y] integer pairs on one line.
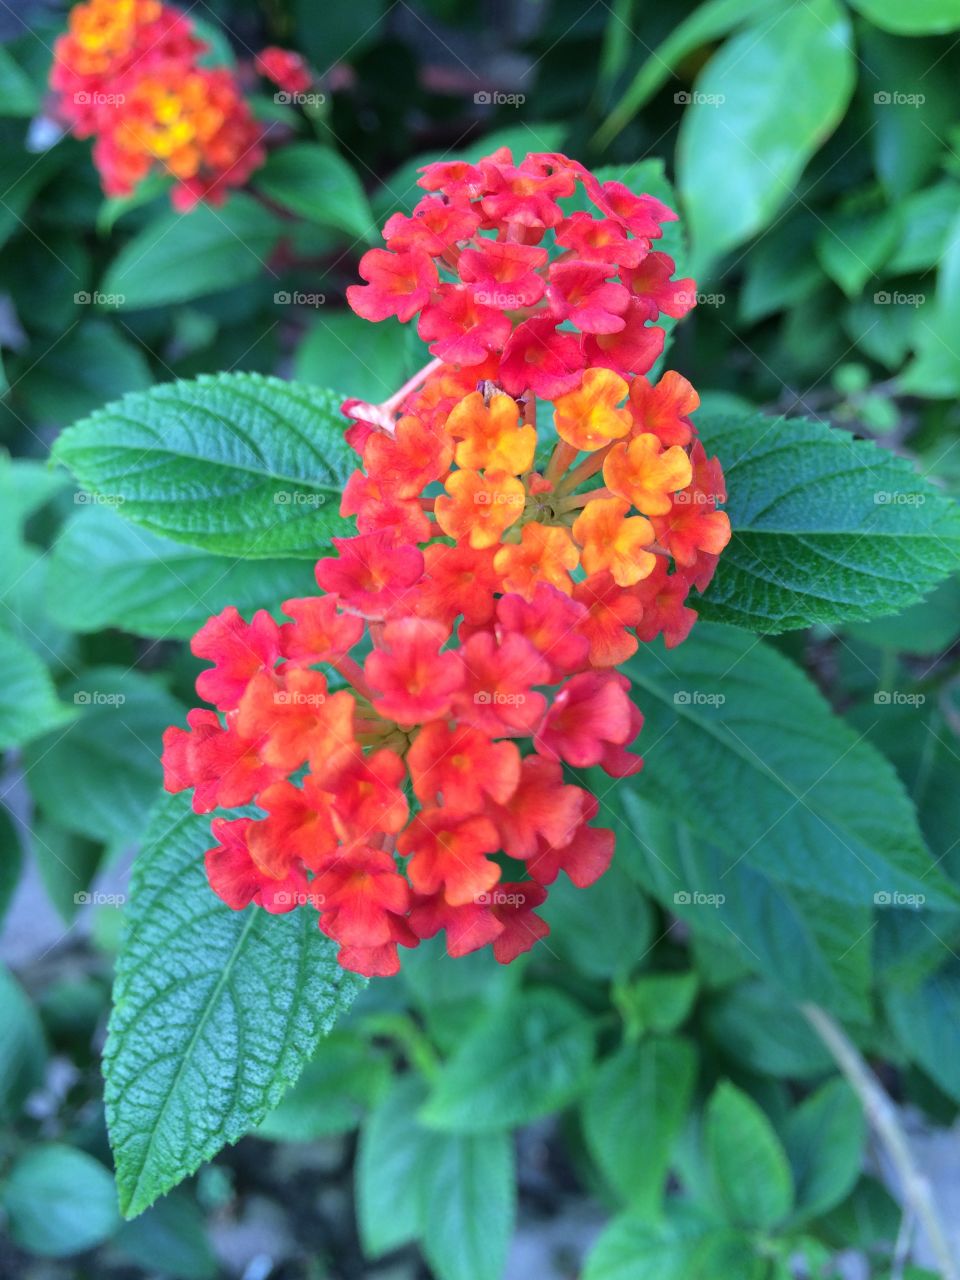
{"points": [[813, 147]]}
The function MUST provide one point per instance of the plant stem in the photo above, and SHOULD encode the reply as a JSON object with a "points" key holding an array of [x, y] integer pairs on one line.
{"points": [[882, 1116]]}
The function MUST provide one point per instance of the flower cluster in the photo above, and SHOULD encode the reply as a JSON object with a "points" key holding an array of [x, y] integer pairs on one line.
{"points": [[530, 507], [130, 74]]}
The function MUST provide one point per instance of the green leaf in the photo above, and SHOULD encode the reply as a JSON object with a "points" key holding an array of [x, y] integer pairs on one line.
{"points": [[936, 370], [920, 17], [707, 22], [18, 94], [22, 1048], [339, 1084], [353, 356], [173, 1231], [59, 1201], [824, 1138], [99, 777], [523, 1060], [11, 860], [762, 107], [815, 807], [216, 1012], [659, 1002], [106, 572], [781, 269], [681, 1248], [28, 701], [855, 243], [25, 487], [803, 942], [826, 528], [636, 1105], [93, 363], [392, 1153], [750, 1171], [927, 219], [925, 628], [317, 183], [603, 930], [236, 463], [181, 256], [755, 1027], [926, 1020], [468, 1204]]}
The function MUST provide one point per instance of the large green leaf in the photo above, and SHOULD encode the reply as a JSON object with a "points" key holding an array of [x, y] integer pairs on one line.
{"points": [[317, 183], [178, 256], [523, 1060], [919, 17], [824, 1139], [236, 463], [636, 1105], [826, 528], [99, 776], [215, 1013], [106, 572], [467, 1204], [28, 702], [92, 363], [761, 107], [750, 1172], [59, 1201], [926, 1020], [684, 1247], [794, 793]]}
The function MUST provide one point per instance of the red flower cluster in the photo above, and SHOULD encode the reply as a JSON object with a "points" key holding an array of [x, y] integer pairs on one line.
{"points": [[405, 734], [128, 73]]}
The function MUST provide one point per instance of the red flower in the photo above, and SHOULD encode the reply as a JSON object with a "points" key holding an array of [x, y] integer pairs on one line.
{"points": [[543, 807], [287, 70], [590, 717], [319, 631], [398, 284], [539, 358], [449, 853], [513, 905], [461, 329], [238, 881], [581, 293], [460, 767], [412, 680], [238, 651], [371, 573], [550, 621], [497, 694]]}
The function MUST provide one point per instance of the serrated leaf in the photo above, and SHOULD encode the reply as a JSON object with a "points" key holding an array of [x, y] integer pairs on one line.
{"points": [[523, 1060], [826, 528], [179, 256], [339, 1083], [28, 702], [636, 1105], [106, 572], [100, 775], [239, 464], [748, 1165], [824, 1139], [215, 1013], [763, 105], [317, 183], [468, 1204], [804, 799]]}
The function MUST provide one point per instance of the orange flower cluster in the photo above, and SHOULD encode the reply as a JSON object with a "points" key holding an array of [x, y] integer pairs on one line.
{"points": [[128, 73], [528, 513]]}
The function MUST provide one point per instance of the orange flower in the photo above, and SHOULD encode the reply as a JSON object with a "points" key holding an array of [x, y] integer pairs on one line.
{"points": [[664, 408], [546, 553], [588, 418], [491, 436], [478, 508], [646, 474], [611, 540]]}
